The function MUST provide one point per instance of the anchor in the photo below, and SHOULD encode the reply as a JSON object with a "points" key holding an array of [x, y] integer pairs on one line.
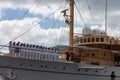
{"points": [[11, 76]]}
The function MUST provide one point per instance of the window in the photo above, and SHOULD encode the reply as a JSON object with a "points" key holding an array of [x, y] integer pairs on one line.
{"points": [[85, 40], [81, 40], [93, 40], [93, 54], [102, 39], [97, 39], [88, 39], [87, 54], [74, 41]]}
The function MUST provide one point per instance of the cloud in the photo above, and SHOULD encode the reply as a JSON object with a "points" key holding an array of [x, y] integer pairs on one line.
{"points": [[38, 35], [9, 30]]}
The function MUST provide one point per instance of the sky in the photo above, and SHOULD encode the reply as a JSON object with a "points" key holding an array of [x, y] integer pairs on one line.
{"points": [[41, 22]]}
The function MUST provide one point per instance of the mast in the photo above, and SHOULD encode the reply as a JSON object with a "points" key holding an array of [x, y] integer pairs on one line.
{"points": [[69, 19], [106, 18], [71, 23]]}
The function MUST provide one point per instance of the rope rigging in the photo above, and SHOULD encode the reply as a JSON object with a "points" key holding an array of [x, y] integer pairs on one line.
{"points": [[25, 13], [54, 25], [79, 12], [35, 24]]}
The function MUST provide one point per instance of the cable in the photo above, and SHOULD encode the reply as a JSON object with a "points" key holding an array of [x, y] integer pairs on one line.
{"points": [[30, 16], [15, 23], [55, 22], [89, 8], [79, 13]]}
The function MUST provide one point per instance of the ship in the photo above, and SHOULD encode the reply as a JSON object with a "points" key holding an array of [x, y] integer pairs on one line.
{"points": [[97, 57]]}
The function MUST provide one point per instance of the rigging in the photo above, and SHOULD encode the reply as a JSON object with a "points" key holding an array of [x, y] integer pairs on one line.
{"points": [[14, 25]]}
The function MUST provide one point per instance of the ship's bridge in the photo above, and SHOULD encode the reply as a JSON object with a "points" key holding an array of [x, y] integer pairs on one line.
{"points": [[94, 36], [95, 39]]}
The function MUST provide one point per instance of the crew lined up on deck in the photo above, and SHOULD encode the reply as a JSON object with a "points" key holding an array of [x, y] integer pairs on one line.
{"points": [[29, 51]]}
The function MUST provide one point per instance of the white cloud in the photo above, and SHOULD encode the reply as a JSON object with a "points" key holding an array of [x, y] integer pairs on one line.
{"points": [[39, 35], [36, 35]]}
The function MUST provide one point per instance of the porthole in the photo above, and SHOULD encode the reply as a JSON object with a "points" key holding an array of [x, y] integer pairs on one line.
{"points": [[78, 69], [55, 67], [104, 54], [105, 71], [41, 66], [96, 71], [93, 54], [21, 64], [86, 70], [46, 66], [64, 68], [31, 65]]}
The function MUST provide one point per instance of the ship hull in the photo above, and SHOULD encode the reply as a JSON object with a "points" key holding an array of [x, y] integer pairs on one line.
{"points": [[24, 69]]}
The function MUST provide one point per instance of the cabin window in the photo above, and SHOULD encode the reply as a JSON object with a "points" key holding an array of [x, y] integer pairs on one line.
{"points": [[85, 40], [81, 40], [93, 54], [102, 39], [88, 39], [104, 54], [97, 39], [74, 41], [87, 54], [95, 63], [93, 40]]}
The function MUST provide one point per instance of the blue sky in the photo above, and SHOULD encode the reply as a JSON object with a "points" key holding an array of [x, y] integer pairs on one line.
{"points": [[51, 31]]}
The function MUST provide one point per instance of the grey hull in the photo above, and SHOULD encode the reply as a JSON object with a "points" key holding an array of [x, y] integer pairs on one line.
{"points": [[25, 69]]}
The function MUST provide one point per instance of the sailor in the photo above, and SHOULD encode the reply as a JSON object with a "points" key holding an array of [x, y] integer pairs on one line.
{"points": [[51, 55], [54, 54], [23, 51], [17, 52], [43, 54], [37, 52], [30, 51], [57, 54], [112, 75], [72, 54], [48, 54], [27, 51], [67, 55], [21, 55], [34, 51], [13, 49], [10, 48]]}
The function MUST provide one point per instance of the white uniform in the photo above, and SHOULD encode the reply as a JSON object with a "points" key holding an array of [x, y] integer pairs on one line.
{"points": [[17, 50], [45, 54], [32, 51], [23, 51], [13, 49], [40, 53], [10, 48], [57, 55], [29, 51], [37, 53]]}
